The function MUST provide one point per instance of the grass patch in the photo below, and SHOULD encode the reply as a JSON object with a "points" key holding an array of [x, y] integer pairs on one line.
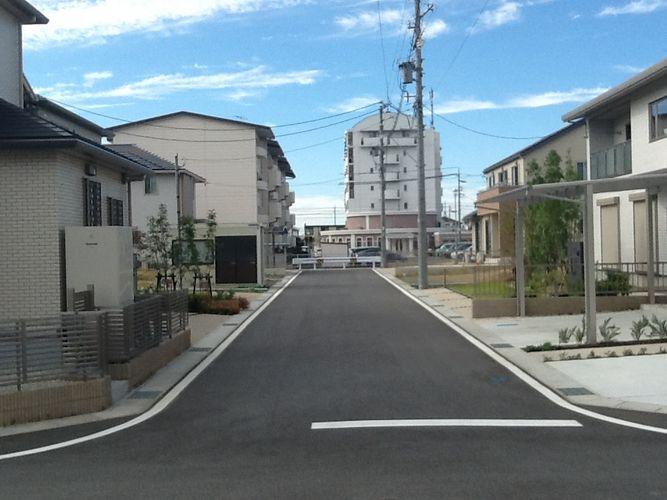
{"points": [[488, 290]]}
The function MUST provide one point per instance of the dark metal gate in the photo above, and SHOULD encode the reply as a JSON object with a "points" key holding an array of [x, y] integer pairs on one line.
{"points": [[235, 259]]}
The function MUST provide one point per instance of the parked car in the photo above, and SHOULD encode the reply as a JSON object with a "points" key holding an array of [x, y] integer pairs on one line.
{"points": [[444, 250], [358, 250], [460, 250], [376, 252]]}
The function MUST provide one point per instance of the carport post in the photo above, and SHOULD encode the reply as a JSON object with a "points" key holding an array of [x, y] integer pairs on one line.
{"points": [[519, 260], [650, 253], [590, 319]]}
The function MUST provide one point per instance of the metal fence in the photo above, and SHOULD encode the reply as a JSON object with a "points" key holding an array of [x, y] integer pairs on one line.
{"points": [[81, 301], [69, 346], [630, 276], [144, 324]]}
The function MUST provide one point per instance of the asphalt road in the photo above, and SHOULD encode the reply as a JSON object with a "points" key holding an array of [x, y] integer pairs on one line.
{"points": [[345, 345]]}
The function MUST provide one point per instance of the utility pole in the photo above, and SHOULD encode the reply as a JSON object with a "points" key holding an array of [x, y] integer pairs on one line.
{"points": [[383, 208], [419, 109], [430, 95], [458, 193], [335, 216], [177, 182]]}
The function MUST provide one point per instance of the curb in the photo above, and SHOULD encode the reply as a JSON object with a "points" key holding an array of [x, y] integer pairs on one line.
{"points": [[144, 397], [566, 387]]}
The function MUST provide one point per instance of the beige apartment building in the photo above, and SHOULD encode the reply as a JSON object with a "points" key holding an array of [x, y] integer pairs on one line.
{"points": [[246, 176], [493, 224]]}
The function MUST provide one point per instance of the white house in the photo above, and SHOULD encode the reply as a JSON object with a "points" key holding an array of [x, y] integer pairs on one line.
{"points": [[246, 176], [159, 188], [627, 136], [362, 183], [54, 174]]}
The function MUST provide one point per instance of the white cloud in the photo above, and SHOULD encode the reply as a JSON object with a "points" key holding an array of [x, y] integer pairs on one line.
{"points": [[551, 98], [154, 87], [90, 79], [634, 7], [627, 68], [394, 23], [435, 28], [353, 103], [504, 13], [94, 21]]}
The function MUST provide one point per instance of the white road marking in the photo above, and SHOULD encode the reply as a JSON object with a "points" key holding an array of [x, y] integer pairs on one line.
{"points": [[532, 382], [443, 422], [166, 400]]}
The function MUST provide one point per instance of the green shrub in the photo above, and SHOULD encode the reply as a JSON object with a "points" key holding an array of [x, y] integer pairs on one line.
{"points": [[608, 332], [616, 283], [638, 327], [658, 327]]}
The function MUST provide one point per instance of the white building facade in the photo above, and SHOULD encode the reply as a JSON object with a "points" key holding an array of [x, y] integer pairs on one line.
{"points": [[363, 183], [245, 169], [627, 136]]}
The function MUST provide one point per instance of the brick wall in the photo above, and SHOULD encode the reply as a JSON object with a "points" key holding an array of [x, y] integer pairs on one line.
{"points": [[41, 192]]}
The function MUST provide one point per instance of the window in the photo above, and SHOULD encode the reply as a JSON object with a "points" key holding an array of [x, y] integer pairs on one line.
{"points": [[405, 187], [372, 188], [358, 242], [405, 205], [372, 205], [350, 172], [515, 175], [628, 132], [581, 170], [369, 241], [115, 212], [92, 200], [405, 170], [371, 170], [405, 152], [351, 190], [658, 118], [150, 184]]}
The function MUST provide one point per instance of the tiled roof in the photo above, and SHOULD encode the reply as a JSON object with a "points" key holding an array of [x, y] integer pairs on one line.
{"points": [[20, 127], [146, 158], [17, 124]]}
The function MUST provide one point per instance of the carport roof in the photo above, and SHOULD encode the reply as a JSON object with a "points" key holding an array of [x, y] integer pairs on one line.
{"points": [[575, 189]]}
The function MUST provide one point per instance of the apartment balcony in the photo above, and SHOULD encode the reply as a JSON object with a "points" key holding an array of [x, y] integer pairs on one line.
{"points": [[392, 194], [392, 176], [392, 159], [291, 198], [262, 185], [612, 162], [374, 142], [275, 210]]}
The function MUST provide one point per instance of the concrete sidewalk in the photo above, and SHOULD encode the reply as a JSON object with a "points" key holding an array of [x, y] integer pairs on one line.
{"points": [[630, 383], [209, 333]]}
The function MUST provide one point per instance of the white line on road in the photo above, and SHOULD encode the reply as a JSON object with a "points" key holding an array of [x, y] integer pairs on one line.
{"points": [[440, 422], [167, 399], [528, 379]]}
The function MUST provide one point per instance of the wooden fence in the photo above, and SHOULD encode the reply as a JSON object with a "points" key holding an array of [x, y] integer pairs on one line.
{"points": [[69, 346]]}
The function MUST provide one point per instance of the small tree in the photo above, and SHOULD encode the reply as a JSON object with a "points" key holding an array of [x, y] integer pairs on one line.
{"points": [[211, 229], [190, 258], [157, 243]]}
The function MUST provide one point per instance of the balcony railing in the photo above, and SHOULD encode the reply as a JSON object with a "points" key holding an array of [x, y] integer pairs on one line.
{"points": [[612, 162]]}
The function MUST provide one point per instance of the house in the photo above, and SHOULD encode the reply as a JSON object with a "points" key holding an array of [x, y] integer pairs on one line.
{"points": [[159, 188], [627, 136], [51, 179], [14, 14], [493, 224], [55, 174], [246, 176], [363, 183]]}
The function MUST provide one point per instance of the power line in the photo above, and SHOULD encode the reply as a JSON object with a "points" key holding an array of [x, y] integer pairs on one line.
{"points": [[495, 136], [384, 55], [463, 42], [171, 127], [220, 141]]}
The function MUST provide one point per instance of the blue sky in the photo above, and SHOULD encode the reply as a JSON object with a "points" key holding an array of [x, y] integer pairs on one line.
{"points": [[523, 65]]}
